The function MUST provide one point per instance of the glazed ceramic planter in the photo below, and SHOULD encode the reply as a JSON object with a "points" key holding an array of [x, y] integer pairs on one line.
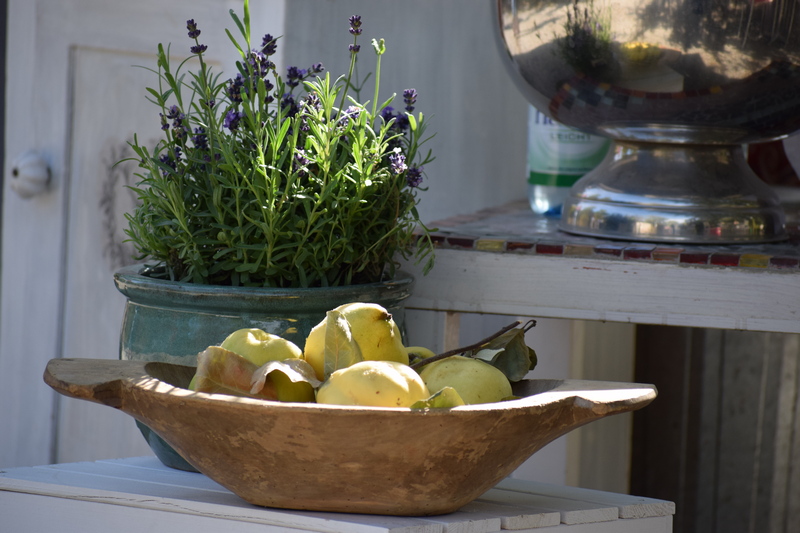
{"points": [[171, 322]]}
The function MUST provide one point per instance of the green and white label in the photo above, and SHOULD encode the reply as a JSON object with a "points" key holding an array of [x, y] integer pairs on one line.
{"points": [[559, 155]]}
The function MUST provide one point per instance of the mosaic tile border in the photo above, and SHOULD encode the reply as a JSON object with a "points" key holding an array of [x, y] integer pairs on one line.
{"points": [[451, 234], [655, 253]]}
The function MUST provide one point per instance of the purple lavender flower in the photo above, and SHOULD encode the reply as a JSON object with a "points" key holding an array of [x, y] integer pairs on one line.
{"points": [[355, 25], [354, 48], [170, 160], [232, 119], [200, 139], [179, 128], [234, 89], [178, 122], [198, 49], [210, 103], [194, 33], [414, 177], [310, 105], [164, 123], [178, 132], [300, 162], [312, 102], [397, 161], [173, 113], [260, 63], [410, 98], [387, 113], [268, 86], [269, 45], [289, 105], [316, 68], [350, 114], [401, 122], [295, 75], [400, 119]]}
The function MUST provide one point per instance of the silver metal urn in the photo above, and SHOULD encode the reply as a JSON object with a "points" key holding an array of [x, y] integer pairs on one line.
{"points": [[680, 86]]}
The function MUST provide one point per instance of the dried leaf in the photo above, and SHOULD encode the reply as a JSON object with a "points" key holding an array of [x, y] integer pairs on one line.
{"points": [[444, 399], [225, 372], [341, 349]]}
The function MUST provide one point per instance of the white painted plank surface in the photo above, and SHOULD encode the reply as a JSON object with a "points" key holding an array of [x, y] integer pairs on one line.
{"points": [[608, 290], [66, 515], [572, 512], [629, 506], [514, 518], [659, 524], [144, 487], [469, 519], [150, 471], [196, 502]]}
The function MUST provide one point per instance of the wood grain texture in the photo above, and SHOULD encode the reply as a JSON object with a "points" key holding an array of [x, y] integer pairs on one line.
{"points": [[337, 458]]}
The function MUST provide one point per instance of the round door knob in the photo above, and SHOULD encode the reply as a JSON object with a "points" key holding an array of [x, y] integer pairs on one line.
{"points": [[29, 175]]}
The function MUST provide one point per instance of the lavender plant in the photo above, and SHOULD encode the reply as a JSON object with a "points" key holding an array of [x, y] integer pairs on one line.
{"points": [[278, 181], [586, 45]]}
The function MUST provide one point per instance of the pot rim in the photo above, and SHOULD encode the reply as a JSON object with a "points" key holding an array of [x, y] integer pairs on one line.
{"points": [[140, 288]]}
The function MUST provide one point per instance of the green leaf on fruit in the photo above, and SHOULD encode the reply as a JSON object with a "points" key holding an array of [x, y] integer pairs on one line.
{"points": [[341, 350], [444, 399], [509, 353], [296, 370], [488, 355]]}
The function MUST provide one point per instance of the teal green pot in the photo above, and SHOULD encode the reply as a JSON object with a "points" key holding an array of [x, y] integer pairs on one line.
{"points": [[168, 321]]}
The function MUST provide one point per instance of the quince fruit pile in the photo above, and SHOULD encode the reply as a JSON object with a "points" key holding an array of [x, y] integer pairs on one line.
{"points": [[640, 53], [355, 356]]}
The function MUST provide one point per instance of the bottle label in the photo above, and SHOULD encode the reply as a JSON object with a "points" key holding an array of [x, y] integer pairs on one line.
{"points": [[559, 155]]}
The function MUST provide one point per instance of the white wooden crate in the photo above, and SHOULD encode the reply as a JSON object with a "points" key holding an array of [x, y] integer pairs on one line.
{"points": [[140, 494]]}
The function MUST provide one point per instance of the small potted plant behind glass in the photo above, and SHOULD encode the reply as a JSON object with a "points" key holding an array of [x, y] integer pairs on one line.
{"points": [[269, 200]]}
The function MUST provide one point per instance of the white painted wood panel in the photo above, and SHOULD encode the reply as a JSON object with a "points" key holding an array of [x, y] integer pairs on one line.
{"points": [[143, 492], [75, 97], [76, 516], [599, 454], [628, 506], [446, 50], [608, 290], [571, 511], [31, 243]]}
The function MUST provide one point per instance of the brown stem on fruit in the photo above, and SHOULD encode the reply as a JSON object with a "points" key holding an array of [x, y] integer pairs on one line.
{"points": [[419, 364]]}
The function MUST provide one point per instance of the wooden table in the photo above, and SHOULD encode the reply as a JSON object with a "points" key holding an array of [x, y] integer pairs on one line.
{"points": [[140, 494]]}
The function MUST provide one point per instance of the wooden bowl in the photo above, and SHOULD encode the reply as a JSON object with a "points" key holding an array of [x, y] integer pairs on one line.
{"points": [[317, 457]]}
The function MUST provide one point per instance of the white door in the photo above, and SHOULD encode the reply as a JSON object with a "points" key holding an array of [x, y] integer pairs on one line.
{"points": [[75, 97]]}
